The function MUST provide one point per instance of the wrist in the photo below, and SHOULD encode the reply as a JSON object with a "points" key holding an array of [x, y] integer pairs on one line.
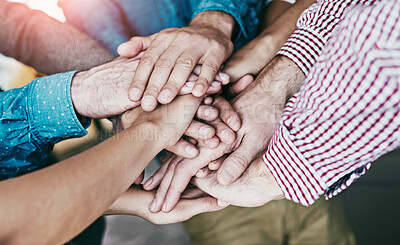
{"points": [[220, 20], [78, 95], [281, 79]]}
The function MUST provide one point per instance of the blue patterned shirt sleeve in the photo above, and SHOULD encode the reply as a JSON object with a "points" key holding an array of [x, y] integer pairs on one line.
{"points": [[32, 119]]}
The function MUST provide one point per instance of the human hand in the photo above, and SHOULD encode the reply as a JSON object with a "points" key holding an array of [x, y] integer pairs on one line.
{"points": [[172, 54], [260, 107], [218, 113], [279, 23], [102, 91], [135, 201], [254, 188], [165, 176]]}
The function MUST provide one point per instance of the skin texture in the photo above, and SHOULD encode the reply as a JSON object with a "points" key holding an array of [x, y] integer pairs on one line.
{"points": [[259, 106], [255, 188], [109, 83], [78, 190], [172, 54]]}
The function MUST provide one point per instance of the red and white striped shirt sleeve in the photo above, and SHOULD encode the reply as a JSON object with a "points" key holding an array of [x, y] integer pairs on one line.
{"points": [[314, 28], [347, 112]]}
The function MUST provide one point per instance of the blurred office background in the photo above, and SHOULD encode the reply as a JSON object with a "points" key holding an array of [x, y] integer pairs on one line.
{"points": [[371, 204]]}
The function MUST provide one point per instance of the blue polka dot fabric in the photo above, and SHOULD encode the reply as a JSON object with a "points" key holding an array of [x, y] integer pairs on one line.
{"points": [[32, 119]]}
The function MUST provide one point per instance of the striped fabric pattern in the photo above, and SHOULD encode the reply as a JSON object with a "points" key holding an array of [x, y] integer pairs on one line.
{"points": [[314, 28], [347, 112]]}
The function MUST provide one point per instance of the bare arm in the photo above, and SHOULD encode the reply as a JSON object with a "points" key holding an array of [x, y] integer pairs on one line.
{"points": [[78, 190], [279, 24], [44, 43]]}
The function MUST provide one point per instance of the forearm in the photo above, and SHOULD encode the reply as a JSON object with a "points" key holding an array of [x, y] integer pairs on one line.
{"points": [[280, 22], [280, 80], [73, 192], [49, 46]]}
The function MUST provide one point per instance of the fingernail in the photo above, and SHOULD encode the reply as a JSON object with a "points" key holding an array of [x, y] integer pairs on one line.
{"points": [[212, 142], [222, 203], [165, 206], [148, 183], [208, 112], [215, 84], [205, 130], [232, 122], [227, 176], [165, 95], [153, 206], [148, 102], [189, 84], [228, 135], [198, 90], [192, 151], [224, 77], [135, 94]]}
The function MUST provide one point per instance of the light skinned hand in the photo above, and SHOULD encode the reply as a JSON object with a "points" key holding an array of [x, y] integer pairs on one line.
{"points": [[102, 91], [260, 107], [209, 136], [135, 201], [255, 187], [173, 177], [279, 23], [172, 54]]}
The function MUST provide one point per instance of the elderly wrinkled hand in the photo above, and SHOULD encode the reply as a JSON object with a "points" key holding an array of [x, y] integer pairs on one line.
{"points": [[172, 54]]}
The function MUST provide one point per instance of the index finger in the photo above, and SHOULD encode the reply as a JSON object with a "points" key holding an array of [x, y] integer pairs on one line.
{"points": [[209, 70], [186, 169]]}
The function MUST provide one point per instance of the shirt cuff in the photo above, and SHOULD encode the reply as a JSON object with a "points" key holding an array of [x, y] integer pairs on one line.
{"points": [[51, 113], [303, 47], [297, 178]]}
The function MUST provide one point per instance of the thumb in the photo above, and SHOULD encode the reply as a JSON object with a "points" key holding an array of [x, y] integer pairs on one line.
{"points": [[134, 46], [234, 166], [236, 68]]}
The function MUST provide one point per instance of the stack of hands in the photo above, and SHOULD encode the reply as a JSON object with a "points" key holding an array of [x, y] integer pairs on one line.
{"points": [[218, 160]]}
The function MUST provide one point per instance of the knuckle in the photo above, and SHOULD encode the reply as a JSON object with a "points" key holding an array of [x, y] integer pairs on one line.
{"points": [[147, 61], [218, 45], [164, 63], [212, 67], [185, 62], [239, 162], [173, 86], [152, 89], [182, 36]]}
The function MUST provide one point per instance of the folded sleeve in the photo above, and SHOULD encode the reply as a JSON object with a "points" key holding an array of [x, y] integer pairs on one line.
{"points": [[314, 28], [32, 119], [346, 114]]}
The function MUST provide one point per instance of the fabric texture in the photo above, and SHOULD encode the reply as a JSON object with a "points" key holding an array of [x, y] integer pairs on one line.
{"points": [[314, 27], [32, 119], [346, 114], [113, 22], [277, 223]]}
